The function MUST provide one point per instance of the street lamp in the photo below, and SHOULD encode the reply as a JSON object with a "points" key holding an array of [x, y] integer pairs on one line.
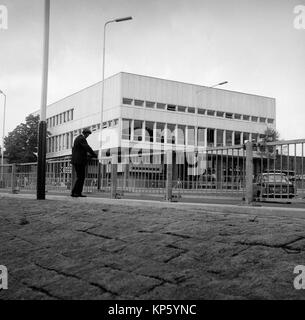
{"points": [[3, 133], [42, 129], [103, 83], [219, 84]]}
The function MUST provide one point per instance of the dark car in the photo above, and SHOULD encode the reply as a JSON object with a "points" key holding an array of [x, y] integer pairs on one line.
{"points": [[273, 185]]}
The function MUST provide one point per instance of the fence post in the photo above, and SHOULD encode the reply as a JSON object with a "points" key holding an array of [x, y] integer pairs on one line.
{"points": [[249, 172], [13, 178], [114, 176], [99, 184], [169, 175]]}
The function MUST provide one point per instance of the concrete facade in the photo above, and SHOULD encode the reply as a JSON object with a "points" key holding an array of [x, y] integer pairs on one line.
{"points": [[150, 113]]}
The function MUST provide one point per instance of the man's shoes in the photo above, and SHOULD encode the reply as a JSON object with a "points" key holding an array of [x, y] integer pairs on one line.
{"points": [[78, 195]]}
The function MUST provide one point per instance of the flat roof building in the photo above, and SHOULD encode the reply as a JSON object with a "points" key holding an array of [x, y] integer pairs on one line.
{"points": [[150, 113]]}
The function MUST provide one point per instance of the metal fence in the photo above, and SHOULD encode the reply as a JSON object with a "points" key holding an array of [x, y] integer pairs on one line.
{"points": [[272, 171], [279, 171]]}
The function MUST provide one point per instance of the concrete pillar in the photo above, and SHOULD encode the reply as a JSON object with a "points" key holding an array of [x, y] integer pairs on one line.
{"points": [[249, 173], [169, 175], [114, 176]]}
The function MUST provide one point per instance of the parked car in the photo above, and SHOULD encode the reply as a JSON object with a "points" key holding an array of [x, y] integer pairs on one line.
{"points": [[273, 185]]}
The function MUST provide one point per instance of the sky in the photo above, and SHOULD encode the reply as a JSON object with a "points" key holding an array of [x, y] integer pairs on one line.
{"points": [[252, 44]]}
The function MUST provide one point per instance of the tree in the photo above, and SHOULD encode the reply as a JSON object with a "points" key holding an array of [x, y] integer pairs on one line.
{"points": [[270, 135], [21, 144]]}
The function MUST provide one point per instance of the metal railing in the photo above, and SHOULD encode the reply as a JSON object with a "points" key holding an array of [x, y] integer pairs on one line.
{"points": [[271, 171]]}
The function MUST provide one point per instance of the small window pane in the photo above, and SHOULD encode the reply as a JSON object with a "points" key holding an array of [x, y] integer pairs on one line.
{"points": [[149, 104], [201, 111], [161, 105], [191, 110], [229, 115], [139, 103], [171, 107], [246, 117], [219, 114], [262, 120], [181, 109], [210, 112], [127, 101], [237, 116]]}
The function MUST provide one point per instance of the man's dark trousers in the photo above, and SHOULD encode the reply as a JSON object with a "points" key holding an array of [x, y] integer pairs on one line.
{"points": [[80, 179]]}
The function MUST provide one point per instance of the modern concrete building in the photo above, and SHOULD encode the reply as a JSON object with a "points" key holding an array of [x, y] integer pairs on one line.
{"points": [[147, 113]]}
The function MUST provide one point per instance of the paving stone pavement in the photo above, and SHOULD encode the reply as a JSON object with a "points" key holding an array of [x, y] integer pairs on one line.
{"points": [[80, 250]]}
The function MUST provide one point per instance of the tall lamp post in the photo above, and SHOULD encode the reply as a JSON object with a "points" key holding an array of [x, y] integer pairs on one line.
{"points": [[3, 133], [42, 130], [103, 83], [219, 84]]}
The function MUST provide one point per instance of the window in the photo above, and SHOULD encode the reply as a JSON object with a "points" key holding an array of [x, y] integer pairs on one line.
{"points": [[219, 138], [237, 138], [57, 120], [126, 129], [171, 107], [271, 121], [181, 109], [201, 137], [254, 136], [139, 103], [72, 114], [94, 128], [254, 119], [60, 118], [127, 101], [67, 140], [116, 122], [149, 131], [160, 132], [161, 106], [210, 112], [171, 133], [138, 130], [181, 135], [191, 136], [219, 114], [201, 111], [229, 115], [105, 125], [229, 137], [262, 120], [191, 110], [149, 104], [246, 137], [237, 116], [64, 116], [210, 137], [246, 117], [71, 140]]}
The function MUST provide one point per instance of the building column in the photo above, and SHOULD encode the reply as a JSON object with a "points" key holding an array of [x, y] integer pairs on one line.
{"points": [[224, 138], [233, 138], [215, 137]]}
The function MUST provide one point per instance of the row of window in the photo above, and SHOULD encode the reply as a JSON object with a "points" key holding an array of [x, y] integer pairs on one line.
{"points": [[207, 112], [60, 118], [65, 141], [138, 130]]}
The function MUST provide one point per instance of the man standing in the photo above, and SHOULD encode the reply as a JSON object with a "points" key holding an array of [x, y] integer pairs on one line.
{"points": [[79, 161]]}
